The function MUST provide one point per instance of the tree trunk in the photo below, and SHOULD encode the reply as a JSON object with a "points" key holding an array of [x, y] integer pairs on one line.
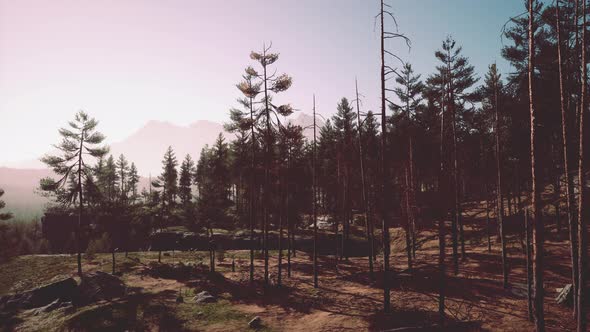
{"points": [[488, 226], [384, 186], [457, 204], [499, 189], [582, 250], [408, 228], [252, 190], [441, 222], [364, 184], [113, 254], [315, 215], [80, 205], [528, 265], [538, 231], [266, 173], [280, 263]]}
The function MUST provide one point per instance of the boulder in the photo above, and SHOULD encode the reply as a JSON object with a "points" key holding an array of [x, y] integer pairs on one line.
{"points": [[565, 295], [204, 297], [255, 323], [64, 289], [98, 286], [57, 304]]}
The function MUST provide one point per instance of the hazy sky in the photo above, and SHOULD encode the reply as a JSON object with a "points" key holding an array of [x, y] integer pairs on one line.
{"points": [[126, 62]]}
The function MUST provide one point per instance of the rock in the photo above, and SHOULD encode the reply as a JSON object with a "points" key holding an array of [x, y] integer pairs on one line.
{"points": [[64, 289], [565, 295], [57, 304], [204, 297], [99, 286], [255, 323]]}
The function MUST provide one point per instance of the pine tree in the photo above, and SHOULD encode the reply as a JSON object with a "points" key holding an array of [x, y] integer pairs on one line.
{"points": [[111, 178], [133, 182], [491, 92], [82, 139], [345, 127], [270, 84], [185, 181], [123, 172], [168, 179], [537, 223], [410, 95], [455, 76]]}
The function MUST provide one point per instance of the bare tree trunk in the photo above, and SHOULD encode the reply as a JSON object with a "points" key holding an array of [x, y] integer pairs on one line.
{"points": [[538, 231], [499, 189], [441, 222], [266, 172], [281, 212], [315, 215], [528, 265], [364, 184], [488, 226], [114, 265], [288, 212], [412, 198], [252, 190], [570, 191], [384, 185], [457, 203], [582, 250], [408, 228], [80, 206]]}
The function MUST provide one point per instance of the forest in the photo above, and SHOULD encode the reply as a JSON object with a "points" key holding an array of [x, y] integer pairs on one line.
{"points": [[456, 181]]}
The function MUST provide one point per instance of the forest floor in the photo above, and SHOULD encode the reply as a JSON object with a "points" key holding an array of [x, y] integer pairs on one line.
{"points": [[347, 298]]}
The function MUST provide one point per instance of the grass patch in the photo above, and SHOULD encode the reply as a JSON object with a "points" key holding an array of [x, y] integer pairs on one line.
{"points": [[27, 272]]}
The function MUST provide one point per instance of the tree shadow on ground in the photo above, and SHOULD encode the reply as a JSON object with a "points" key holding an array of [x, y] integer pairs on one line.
{"points": [[381, 321]]}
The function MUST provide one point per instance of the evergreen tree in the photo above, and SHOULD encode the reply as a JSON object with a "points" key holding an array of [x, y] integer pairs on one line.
{"points": [[123, 172], [82, 139], [185, 182], [133, 182], [270, 85], [168, 179], [455, 76]]}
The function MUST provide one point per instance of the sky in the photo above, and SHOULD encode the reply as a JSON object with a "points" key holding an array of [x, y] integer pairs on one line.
{"points": [[126, 62]]}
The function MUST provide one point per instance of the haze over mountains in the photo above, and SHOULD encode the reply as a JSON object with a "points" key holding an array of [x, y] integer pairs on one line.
{"points": [[145, 148]]}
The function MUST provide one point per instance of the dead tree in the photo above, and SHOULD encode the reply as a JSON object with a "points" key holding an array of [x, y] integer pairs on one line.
{"points": [[582, 250], [384, 164], [495, 77], [366, 208], [315, 202], [538, 231]]}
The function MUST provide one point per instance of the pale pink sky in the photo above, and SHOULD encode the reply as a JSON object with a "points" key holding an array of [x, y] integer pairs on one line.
{"points": [[129, 61]]}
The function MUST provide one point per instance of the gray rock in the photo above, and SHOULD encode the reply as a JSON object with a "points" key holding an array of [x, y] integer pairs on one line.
{"points": [[99, 286], [64, 289], [565, 295], [57, 304], [255, 323], [204, 297]]}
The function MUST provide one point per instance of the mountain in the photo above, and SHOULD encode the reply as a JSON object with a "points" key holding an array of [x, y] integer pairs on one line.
{"points": [[145, 148], [20, 186]]}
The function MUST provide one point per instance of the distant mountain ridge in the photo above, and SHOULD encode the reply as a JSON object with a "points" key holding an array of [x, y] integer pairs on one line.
{"points": [[145, 147]]}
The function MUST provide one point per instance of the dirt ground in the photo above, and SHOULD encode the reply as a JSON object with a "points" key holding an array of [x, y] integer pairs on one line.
{"points": [[347, 298]]}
